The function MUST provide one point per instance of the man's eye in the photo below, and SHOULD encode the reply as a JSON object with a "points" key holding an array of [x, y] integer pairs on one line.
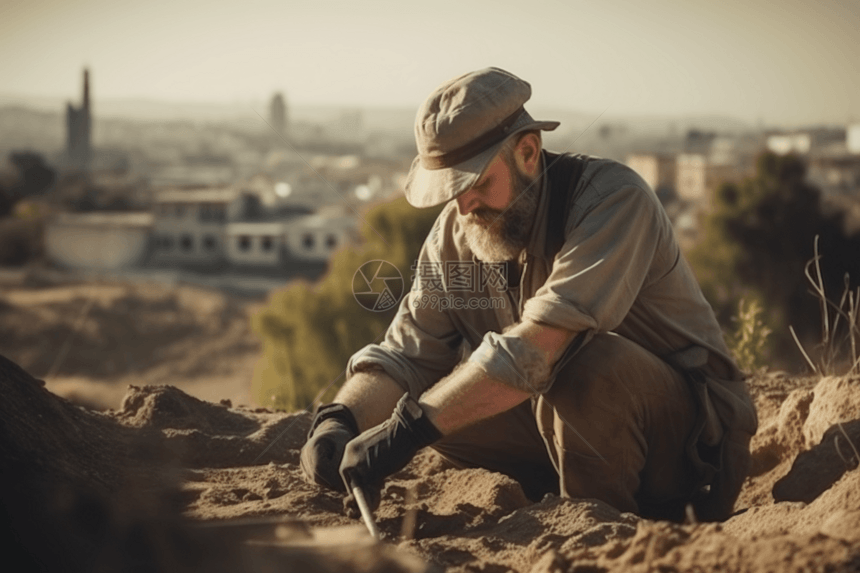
{"points": [[482, 186]]}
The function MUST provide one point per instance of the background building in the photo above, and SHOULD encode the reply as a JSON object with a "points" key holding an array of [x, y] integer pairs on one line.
{"points": [[256, 243], [853, 138], [78, 130], [315, 237], [278, 117], [692, 178], [658, 171], [189, 225], [108, 241]]}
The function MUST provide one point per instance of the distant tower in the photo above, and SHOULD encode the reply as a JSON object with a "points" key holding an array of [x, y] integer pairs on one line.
{"points": [[78, 129], [278, 114]]}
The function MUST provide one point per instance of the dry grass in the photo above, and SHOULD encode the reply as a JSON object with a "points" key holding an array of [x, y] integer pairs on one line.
{"points": [[840, 328]]}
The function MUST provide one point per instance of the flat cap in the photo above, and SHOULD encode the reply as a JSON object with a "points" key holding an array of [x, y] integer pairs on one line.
{"points": [[461, 127]]}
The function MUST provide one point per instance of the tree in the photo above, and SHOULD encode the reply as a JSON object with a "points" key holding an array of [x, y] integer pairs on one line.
{"points": [[32, 179], [310, 331], [758, 240]]}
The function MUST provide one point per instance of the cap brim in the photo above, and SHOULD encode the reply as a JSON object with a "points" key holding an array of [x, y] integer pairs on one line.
{"points": [[430, 187]]}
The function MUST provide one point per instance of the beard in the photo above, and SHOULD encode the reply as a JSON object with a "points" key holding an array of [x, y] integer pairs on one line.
{"points": [[497, 236]]}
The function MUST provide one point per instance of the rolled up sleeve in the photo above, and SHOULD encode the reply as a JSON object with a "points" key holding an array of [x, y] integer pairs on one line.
{"points": [[603, 264]]}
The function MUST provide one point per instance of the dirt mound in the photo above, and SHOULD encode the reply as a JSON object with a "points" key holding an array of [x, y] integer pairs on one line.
{"points": [[784, 518], [84, 492], [235, 470], [520, 538], [837, 399], [475, 520], [72, 444], [73, 487], [782, 404], [669, 547], [782, 434], [167, 407], [202, 434], [815, 471]]}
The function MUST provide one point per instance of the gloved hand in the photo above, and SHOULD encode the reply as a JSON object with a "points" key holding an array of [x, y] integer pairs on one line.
{"points": [[384, 450], [333, 427]]}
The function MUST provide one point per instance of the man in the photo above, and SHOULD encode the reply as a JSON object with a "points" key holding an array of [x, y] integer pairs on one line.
{"points": [[598, 371]]}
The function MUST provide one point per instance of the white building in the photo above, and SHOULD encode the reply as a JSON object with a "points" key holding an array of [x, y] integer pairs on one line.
{"points": [[658, 171], [304, 238], [106, 241], [803, 142], [184, 174], [785, 143], [256, 243], [316, 237], [835, 174], [691, 177], [697, 178], [853, 138], [189, 225]]}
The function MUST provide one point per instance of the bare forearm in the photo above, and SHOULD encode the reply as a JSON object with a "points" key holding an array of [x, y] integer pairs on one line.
{"points": [[462, 398], [466, 397], [469, 394], [370, 396]]}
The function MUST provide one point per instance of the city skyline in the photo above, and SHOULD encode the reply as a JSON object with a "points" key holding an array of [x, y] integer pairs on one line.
{"points": [[790, 66]]}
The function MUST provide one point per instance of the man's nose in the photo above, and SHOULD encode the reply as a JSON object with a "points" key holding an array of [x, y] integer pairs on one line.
{"points": [[466, 203]]}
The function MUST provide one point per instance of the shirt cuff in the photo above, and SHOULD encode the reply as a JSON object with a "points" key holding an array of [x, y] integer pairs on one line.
{"points": [[512, 361], [375, 356], [554, 310]]}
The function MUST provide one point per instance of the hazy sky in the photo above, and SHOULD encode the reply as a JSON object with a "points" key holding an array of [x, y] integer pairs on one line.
{"points": [[788, 62]]}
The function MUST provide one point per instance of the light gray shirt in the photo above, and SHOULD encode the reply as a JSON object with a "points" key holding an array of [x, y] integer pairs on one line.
{"points": [[620, 269]]}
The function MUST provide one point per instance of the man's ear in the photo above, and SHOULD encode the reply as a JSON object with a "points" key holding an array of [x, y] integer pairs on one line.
{"points": [[527, 154]]}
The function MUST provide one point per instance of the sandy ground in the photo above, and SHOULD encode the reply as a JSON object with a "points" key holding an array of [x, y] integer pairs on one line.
{"points": [[90, 341], [238, 466]]}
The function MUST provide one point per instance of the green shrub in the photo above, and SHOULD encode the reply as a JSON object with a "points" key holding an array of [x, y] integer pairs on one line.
{"points": [[749, 340], [310, 331]]}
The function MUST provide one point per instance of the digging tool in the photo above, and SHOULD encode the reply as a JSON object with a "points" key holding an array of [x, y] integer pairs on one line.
{"points": [[366, 514]]}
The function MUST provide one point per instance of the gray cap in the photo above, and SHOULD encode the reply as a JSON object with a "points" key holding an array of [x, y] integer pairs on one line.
{"points": [[461, 127]]}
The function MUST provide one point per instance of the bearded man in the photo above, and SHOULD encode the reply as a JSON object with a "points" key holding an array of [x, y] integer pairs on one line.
{"points": [[578, 355]]}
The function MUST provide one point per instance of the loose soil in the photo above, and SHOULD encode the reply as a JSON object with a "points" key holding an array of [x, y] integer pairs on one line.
{"points": [[176, 482]]}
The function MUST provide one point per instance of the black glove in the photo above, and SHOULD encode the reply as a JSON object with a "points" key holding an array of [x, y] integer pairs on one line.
{"points": [[384, 450], [333, 427]]}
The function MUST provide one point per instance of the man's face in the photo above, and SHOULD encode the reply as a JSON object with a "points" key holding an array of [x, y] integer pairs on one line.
{"points": [[497, 213]]}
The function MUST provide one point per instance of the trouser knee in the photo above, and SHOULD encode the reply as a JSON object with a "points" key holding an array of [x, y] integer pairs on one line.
{"points": [[615, 423]]}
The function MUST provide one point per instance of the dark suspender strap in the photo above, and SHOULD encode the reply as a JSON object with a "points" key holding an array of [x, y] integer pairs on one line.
{"points": [[563, 173]]}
